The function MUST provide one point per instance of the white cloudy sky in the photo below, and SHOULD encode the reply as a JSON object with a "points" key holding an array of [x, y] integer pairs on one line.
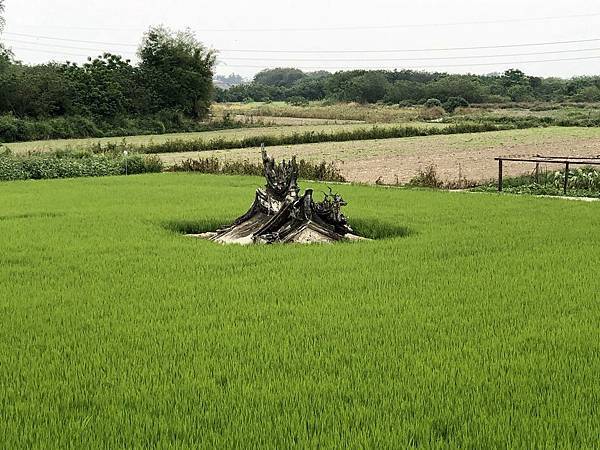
{"points": [[362, 31]]}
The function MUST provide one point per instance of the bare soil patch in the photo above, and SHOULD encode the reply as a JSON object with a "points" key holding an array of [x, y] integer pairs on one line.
{"points": [[470, 156]]}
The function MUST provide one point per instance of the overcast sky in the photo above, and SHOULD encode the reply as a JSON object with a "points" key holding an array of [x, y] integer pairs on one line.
{"points": [[361, 30]]}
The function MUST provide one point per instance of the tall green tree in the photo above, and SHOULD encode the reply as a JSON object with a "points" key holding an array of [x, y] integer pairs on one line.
{"points": [[368, 88], [177, 70], [105, 87], [279, 77]]}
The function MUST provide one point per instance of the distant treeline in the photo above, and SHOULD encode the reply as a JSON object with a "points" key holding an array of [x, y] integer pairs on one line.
{"points": [[409, 87], [169, 90]]}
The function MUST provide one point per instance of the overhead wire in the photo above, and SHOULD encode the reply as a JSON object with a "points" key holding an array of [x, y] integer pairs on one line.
{"points": [[433, 58], [284, 59], [480, 47], [498, 63]]}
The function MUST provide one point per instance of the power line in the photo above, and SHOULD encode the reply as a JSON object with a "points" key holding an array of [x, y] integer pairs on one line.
{"points": [[434, 49], [46, 44], [52, 38], [499, 63], [433, 58], [52, 52], [237, 50]]}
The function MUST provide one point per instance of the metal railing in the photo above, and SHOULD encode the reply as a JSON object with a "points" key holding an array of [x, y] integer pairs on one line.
{"points": [[566, 160]]}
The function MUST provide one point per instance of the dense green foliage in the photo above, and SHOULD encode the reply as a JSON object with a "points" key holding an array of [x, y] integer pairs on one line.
{"points": [[178, 71], [477, 329], [14, 129], [171, 87], [40, 166], [307, 170], [411, 87]]}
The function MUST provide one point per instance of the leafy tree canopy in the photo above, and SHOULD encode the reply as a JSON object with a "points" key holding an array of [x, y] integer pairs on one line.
{"points": [[179, 70], [279, 77]]}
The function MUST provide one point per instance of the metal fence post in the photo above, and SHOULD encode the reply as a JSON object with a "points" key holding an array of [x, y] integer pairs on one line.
{"points": [[566, 182], [499, 174]]}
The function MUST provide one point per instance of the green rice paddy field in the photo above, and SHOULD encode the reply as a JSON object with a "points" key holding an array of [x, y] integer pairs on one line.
{"points": [[473, 322]]}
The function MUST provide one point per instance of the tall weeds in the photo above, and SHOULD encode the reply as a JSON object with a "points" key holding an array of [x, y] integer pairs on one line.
{"points": [[309, 171]]}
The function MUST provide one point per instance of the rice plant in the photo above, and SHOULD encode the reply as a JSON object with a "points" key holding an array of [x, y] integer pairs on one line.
{"points": [[470, 321]]}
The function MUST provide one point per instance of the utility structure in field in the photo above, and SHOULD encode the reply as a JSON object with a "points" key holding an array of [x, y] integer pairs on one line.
{"points": [[280, 214]]}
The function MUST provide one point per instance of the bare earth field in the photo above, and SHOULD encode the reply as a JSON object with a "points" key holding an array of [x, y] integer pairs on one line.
{"points": [[470, 155]]}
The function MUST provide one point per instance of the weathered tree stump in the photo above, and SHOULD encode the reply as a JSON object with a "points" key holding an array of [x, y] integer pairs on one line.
{"points": [[280, 214]]}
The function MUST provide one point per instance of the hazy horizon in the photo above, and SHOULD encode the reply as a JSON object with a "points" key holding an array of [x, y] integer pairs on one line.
{"points": [[324, 35]]}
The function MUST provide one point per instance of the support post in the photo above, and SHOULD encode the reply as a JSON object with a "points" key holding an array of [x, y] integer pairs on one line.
{"points": [[537, 173], [566, 181], [499, 175]]}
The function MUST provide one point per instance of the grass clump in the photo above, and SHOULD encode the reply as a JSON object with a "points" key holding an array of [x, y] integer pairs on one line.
{"points": [[427, 177]]}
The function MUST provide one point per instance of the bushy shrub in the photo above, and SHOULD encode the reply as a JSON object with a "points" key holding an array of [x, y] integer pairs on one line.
{"points": [[455, 102], [153, 164], [427, 177], [433, 103], [297, 100], [433, 113], [132, 164], [72, 165], [8, 129], [11, 169]]}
